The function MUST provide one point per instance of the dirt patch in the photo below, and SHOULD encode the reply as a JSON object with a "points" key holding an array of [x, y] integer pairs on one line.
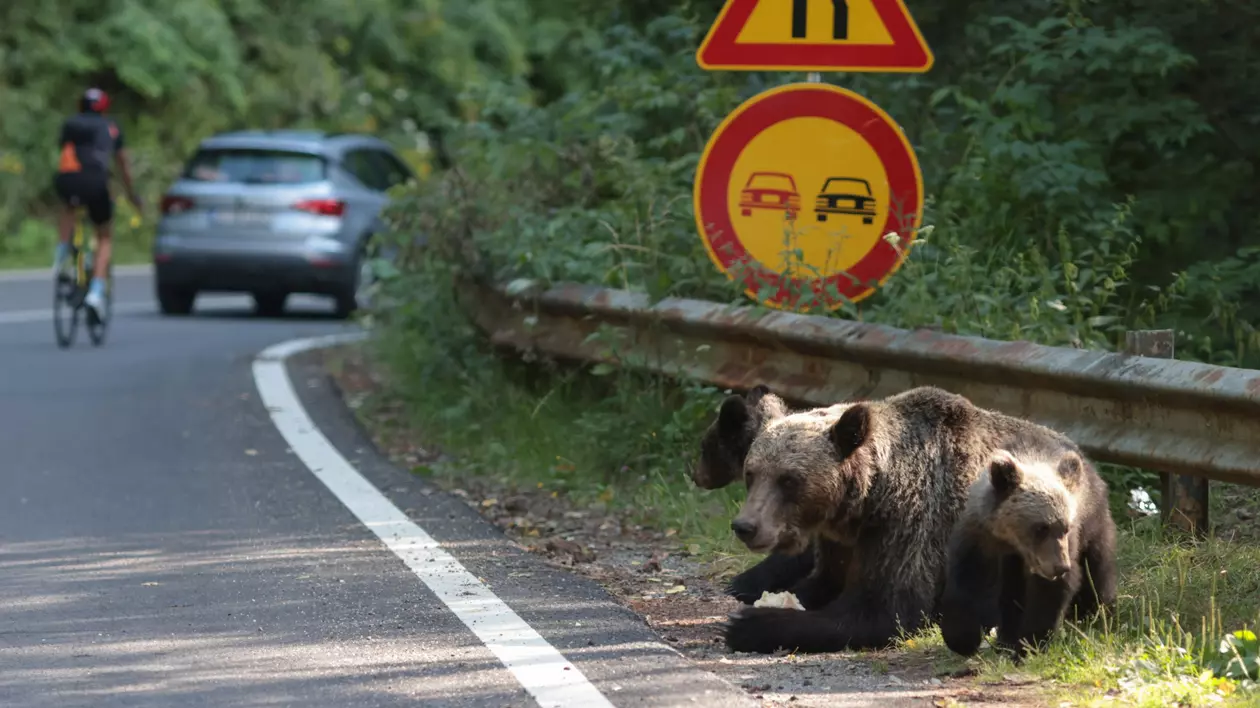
{"points": [[653, 573], [1236, 513]]}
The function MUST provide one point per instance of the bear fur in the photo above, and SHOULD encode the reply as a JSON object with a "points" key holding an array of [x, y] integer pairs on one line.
{"points": [[876, 488], [722, 450], [1037, 534]]}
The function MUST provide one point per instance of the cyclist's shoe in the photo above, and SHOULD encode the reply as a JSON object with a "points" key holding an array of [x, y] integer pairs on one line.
{"points": [[96, 296], [59, 258]]}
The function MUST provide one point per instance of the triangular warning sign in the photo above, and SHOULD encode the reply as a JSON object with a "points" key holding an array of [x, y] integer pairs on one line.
{"points": [[815, 35]]}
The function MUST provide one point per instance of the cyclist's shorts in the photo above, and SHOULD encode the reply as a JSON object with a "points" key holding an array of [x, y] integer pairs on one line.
{"points": [[87, 190]]}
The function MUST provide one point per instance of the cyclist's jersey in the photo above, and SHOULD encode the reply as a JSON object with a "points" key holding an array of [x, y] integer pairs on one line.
{"points": [[88, 142]]}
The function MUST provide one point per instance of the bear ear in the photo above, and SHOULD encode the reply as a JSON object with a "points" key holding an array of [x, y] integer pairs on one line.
{"points": [[1071, 469], [764, 405], [756, 393], [1004, 472], [851, 431], [733, 414]]}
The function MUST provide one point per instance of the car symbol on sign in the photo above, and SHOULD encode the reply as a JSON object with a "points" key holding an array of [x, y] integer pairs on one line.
{"points": [[770, 190], [845, 195]]}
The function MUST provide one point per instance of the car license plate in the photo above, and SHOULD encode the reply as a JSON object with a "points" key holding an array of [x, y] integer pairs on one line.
{"points": [[240, 217]]}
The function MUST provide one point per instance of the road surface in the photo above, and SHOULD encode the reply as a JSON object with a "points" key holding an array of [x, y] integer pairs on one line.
{"points": [[183, 523]]}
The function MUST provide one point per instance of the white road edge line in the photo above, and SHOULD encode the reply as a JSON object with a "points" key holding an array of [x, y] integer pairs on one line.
{"points": [[539, 667]]}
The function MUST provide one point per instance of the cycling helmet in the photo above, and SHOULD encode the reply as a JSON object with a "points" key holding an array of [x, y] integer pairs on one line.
{"points": [[94, 100]]}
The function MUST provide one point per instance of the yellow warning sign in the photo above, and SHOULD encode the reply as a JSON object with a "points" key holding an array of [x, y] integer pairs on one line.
{"points": [[814, 22], [815, 35]]}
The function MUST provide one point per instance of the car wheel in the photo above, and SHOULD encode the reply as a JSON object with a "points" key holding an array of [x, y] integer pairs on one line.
{"points": [[175, 301], [270, 304]]}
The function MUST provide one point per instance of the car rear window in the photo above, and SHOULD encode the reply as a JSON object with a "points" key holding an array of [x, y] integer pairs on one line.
{"points": [[253, 166]]}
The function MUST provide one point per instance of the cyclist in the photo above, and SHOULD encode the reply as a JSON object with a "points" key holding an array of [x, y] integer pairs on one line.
{"points": [[88, 140]]}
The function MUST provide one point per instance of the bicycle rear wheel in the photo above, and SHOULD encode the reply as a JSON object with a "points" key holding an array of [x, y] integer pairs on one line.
{"points": [[66, 300], [98, 325]]}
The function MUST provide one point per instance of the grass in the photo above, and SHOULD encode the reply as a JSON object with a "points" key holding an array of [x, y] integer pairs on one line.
{"points": [[125, 253], [613, 440], [32, 245], [625, 440]]}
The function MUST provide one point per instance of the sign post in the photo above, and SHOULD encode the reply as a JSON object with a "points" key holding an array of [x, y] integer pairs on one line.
{"points": [[810, 194]]}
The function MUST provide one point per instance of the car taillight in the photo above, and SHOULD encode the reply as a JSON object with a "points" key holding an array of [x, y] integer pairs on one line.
{"points": [[323, 207], [174, 205]]}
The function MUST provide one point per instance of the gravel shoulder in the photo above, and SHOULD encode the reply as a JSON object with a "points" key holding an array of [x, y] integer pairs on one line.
{"points": [[676, 591]]}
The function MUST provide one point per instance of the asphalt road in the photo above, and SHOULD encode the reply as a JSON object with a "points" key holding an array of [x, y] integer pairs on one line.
{"points": [[195, 551]]}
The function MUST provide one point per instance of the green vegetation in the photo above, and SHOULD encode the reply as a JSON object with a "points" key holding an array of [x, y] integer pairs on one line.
{"points": [[624, 439], [1086, 175], [1089, 169], [180, 71]]}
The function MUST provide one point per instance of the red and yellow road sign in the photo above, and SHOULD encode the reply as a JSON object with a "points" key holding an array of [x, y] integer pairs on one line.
{"points": [[815, 35], [810, 191]]}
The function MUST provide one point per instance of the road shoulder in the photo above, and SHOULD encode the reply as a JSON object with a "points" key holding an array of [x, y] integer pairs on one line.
{"points": [[607, 642]]}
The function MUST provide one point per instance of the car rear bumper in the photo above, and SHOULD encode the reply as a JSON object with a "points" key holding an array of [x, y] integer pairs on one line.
{"points": [[291, 269]]}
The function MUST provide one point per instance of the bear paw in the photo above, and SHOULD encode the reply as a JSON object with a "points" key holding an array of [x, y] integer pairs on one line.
{"points": [[1012, 649], [759, 629], [743, 590]]}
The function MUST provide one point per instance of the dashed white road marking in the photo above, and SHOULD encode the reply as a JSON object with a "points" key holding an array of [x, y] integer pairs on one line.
{"points": [[539, 667]]}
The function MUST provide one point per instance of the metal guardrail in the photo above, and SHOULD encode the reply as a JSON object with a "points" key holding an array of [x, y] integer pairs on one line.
{"points": [[1178, 417]]}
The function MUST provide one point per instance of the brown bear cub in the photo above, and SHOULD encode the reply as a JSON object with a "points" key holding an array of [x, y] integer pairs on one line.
{"points": [[875, 487], [722, 450], [1037, 533]]}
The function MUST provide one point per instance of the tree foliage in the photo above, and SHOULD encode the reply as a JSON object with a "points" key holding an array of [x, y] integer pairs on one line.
{"points": [[1077, 153], [180, 71], [1073, 165]]}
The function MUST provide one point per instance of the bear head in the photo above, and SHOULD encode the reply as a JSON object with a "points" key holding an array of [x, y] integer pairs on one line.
{"points": [[803, 472], [726, 441], [1033, 506]]}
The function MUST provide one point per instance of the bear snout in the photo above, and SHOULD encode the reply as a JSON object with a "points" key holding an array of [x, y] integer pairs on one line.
{"points": [[1052, 569], [1059, 569], [744, 529]]}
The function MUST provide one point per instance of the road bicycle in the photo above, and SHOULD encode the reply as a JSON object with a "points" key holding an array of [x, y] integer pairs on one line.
{"points": [[71, 288]]}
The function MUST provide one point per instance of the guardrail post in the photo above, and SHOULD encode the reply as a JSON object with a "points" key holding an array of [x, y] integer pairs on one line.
{"points": [[1183, 499]]}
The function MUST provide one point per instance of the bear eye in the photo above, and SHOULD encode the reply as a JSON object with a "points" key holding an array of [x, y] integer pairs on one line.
{"points": [[789, 483], [1041, 530]]}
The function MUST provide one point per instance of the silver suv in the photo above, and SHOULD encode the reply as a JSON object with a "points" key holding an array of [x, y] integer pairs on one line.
{"points": [[273, 213]]}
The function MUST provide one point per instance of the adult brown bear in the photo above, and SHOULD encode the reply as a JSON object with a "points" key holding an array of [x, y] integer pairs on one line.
{"points": [[874, 488]]}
